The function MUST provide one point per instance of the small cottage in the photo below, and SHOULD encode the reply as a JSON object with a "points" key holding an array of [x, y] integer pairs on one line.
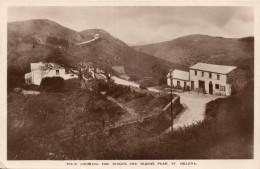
{"points": [[40, 71], [179, 78]]}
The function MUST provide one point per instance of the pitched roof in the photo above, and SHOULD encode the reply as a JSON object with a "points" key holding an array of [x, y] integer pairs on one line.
{"points": [[222, 69], [179, 74]]}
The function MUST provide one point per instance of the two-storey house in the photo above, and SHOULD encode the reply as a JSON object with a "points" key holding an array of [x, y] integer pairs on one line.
{"points": [[212, 78]]}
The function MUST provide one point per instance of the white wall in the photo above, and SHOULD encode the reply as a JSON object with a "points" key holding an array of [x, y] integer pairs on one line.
{"points": [[38, 75], [221, 82], [224, 88], [175, 82]]}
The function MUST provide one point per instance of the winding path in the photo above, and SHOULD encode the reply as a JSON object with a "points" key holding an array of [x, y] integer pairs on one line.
{"points": [[194, 105], [194, 108]]}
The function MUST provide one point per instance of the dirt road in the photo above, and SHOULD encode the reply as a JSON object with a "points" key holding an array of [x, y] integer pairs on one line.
{"points": [[194, 105], [194, 108], [120, 81]]}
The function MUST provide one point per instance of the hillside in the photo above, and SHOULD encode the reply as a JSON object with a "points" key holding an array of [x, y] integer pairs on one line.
{"points": [[38, 40], [189, 50]]}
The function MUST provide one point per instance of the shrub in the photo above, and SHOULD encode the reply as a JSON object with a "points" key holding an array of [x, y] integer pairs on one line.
{"points": [[102, 85], [177, 87], [162, 81], [142, 87], [53, 83]]}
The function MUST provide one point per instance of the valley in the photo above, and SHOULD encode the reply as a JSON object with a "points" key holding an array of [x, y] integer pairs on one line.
{"points": [[124, 117]]}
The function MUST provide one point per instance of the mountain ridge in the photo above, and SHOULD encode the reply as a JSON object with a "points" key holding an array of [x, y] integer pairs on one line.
{"points": [[190, 49], [43, 40]]}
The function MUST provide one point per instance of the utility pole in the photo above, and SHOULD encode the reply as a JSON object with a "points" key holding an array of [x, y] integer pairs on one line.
{"points": [[171, 101]]}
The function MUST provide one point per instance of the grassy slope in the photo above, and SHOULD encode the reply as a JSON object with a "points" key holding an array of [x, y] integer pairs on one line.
{"points": [[227, 133], [75, 114], [77, 127]]}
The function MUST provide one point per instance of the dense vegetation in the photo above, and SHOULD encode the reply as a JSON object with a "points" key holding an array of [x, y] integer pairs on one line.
{"points": [[53, 83]]}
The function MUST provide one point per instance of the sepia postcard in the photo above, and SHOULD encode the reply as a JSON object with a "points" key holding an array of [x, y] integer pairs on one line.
{"points": [[129, 84]]}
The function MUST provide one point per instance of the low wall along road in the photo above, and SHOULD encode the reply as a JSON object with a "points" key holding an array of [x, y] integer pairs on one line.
{"points": [[194, 104]]}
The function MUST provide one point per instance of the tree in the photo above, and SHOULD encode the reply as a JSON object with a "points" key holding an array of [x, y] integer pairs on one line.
{"points": [[87, 72]]}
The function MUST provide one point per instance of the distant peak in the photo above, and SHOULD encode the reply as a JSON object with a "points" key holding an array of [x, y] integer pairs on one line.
{"points": [[34, 20], [200, 36]]}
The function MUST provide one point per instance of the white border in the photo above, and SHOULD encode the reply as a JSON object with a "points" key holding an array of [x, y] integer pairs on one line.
{"points": [[212, 164]]}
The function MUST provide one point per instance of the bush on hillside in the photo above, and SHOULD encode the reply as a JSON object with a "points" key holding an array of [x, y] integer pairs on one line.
{"points": [[57, 56], [54, 84], [102, 85], [162, 81], [143, 87]]}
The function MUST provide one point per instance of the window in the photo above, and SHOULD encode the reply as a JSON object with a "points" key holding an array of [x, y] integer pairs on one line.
{"points": [[202, 74], [72, 75], [210, 75], [178, 83], [216, 86], [57, 72], [218, 77], [195, 72]]}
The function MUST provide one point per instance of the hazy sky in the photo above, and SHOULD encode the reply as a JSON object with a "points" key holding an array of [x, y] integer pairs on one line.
{"points": [[146, 24]]}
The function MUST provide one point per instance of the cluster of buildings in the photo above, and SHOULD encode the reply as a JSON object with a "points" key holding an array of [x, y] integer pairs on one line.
{"points": [[210, 78]]}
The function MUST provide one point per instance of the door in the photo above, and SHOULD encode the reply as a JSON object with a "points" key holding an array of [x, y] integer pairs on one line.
{"points": [[210, 88], [192, 85], [201, 84]]}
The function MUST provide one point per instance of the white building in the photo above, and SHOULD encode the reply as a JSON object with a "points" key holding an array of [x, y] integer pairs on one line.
{"points": [[40, 71], [211, 78], [179, 78], [214, 79]]}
